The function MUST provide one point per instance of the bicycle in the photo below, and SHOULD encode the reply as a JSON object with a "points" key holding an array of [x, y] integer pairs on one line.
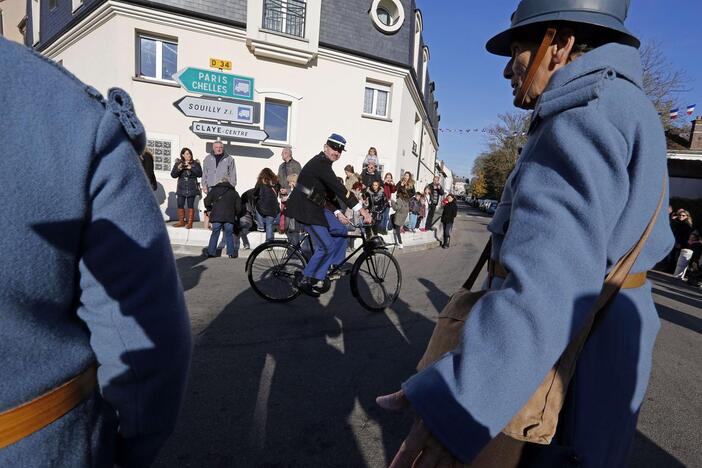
{"points": [[376, 278]]}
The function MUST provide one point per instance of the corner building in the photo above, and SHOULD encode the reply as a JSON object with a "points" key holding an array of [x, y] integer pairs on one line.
{"points": [[356, 67]]}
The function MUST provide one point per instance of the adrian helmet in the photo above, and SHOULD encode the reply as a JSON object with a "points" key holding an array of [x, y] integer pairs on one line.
{"points": [[605, 18]]}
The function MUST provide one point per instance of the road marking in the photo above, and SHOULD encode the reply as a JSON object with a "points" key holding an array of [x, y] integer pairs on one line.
{"points": [[260, 418]]}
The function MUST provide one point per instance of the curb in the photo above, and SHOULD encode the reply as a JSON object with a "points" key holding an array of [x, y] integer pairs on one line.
{"points": [[193, 241]]}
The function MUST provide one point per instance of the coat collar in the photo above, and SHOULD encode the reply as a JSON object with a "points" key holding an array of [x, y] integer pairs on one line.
{"points": [[581, 81]]}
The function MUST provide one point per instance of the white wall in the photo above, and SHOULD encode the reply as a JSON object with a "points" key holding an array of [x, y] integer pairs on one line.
{"points": [[12, 13]]}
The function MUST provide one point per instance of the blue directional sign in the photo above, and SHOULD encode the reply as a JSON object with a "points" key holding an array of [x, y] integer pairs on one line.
{"points": [[214, 83]]}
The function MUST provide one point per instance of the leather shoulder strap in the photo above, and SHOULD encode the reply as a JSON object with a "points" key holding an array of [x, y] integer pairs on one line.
{"points": [[484, 257]]}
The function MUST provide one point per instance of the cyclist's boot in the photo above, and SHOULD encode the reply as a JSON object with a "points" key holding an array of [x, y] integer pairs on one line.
{"points": [[306, 285]]}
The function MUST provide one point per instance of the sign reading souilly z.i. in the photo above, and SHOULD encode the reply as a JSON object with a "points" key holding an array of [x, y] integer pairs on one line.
{"points": [[245, 112], [209, 130], [213, 83]]}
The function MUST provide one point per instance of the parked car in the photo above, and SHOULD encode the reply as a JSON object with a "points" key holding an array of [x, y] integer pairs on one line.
{"points": [[491, 208]]}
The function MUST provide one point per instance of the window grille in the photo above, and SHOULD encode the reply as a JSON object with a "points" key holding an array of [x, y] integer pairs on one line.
{"points": [[285, 16]]}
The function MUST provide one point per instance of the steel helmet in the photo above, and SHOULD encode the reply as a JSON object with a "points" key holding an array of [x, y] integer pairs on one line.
{"points": [[603, 17]]}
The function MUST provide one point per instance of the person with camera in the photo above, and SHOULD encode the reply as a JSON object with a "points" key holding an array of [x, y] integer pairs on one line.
{"points": [[186, 170], [307, 204]]}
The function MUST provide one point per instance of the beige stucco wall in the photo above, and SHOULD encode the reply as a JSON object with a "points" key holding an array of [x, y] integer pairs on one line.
{"points": [[12, 13], [325, 97]]}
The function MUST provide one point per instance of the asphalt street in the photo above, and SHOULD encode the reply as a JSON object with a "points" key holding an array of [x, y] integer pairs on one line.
{"points": [[294, 385]]}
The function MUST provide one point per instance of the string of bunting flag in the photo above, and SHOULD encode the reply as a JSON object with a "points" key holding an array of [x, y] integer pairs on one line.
{"points": [[488, 131], [674, 114]]}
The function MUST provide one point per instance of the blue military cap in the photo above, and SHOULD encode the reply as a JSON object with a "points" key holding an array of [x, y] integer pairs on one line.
{"points": [[337, 142], [604, 16]]}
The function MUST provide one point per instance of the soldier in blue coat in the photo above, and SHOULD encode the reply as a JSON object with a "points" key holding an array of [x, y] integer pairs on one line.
{"points": [[585, 187], [95, 338]]}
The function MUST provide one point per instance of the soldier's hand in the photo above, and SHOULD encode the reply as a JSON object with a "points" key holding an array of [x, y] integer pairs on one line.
{"points": [[420, 448]]}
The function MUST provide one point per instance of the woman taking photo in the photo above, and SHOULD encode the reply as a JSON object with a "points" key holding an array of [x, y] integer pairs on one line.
{"points": [[407, 183], [186, 170]]}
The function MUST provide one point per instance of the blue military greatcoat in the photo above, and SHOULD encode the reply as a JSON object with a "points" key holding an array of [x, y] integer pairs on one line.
{"points": [[87, 273], [583, 190]]}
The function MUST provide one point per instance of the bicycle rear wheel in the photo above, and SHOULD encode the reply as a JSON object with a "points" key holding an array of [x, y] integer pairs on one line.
{"points": [[376, 280], [272, 268]]}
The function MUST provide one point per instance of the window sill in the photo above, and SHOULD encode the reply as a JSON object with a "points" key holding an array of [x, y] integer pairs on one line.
{"points": [[282, 34], [142, 79], [376, 117]]}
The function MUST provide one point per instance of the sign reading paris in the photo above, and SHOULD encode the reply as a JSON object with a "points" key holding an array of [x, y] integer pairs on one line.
{"points": [[213, 83]]}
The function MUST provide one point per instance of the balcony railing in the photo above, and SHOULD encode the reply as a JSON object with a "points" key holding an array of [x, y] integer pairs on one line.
{"points": [[285, 16]]}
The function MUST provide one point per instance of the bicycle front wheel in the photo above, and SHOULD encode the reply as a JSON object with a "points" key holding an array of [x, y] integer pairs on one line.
{"points": [[272, 268], [376, 280]]}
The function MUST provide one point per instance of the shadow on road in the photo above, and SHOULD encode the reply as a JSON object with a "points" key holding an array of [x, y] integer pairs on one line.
{"points": [[645, 453], [295, 384], [190, 270]]}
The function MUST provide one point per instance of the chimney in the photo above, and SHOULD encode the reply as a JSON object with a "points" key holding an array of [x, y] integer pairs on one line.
{"points": [[696, 134]]}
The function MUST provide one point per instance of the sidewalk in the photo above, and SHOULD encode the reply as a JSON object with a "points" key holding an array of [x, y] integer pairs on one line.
{"points": [[193, 241]]}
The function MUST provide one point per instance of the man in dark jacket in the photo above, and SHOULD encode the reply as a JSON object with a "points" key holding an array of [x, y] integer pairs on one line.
{"points": [[436, 193], [224, 206], [317, 183], [447, 216], [369, 175]]}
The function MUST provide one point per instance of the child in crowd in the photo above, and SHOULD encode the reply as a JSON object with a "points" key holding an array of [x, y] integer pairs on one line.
{"points": [[423, 210], [371, 158], [425, 221], [415, 205], [246, 220], [266, 201], [401, 207], [389, 188], [447, 217], [376, 205]]}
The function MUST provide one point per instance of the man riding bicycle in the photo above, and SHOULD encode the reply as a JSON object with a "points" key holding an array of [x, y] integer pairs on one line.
{"points": [[309, 203]]}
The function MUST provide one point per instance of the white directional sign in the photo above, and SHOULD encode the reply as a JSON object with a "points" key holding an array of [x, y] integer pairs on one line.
{"points": [[230, 110], [227, 132]]}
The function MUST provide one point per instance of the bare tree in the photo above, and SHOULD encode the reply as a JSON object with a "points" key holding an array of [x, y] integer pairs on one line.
{"points": [[661, 81]]}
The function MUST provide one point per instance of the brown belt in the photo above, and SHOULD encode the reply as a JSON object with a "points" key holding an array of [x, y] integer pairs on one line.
{"points": [[27, 418], [632, 281]]}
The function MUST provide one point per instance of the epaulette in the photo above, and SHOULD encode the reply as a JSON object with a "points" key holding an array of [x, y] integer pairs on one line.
{"points": [[120, 104]]}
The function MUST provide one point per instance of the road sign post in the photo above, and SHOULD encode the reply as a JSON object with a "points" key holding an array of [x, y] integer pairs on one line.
{"points": [[213, 83]]}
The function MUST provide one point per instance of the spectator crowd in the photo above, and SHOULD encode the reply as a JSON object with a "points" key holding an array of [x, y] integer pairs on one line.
{"points": [[395, 207]]}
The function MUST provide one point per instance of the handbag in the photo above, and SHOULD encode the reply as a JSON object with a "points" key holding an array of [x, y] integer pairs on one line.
{"points": [[536, 422]]}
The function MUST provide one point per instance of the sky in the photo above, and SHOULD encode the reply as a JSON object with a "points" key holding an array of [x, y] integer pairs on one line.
{"points": [[469, 84]]}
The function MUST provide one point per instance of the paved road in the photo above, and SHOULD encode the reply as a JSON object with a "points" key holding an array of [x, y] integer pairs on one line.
{"points": [[294, 385]]}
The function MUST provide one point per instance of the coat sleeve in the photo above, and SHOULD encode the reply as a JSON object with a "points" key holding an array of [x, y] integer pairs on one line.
{"points": [[567, 196], [232, 172], [175, 172], [196, 169], [205, 175], [208, 201], [132, 302]]}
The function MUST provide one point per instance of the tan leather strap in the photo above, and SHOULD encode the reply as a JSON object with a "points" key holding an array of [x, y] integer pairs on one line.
{"points": [[633, 281], [26, 419], [484, 257], [535, 64]]}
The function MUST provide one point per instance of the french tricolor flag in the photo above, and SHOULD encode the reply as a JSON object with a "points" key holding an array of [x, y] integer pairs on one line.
{"points": [[673, 114], [690, 109]]}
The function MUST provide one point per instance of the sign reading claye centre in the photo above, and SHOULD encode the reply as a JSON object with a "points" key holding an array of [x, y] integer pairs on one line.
{"points": [[228, 132], [197, 80]]}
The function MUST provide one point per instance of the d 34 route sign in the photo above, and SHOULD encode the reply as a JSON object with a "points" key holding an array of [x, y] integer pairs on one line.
{"points": [[197, 80], [208, 130], [211, 108]]}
